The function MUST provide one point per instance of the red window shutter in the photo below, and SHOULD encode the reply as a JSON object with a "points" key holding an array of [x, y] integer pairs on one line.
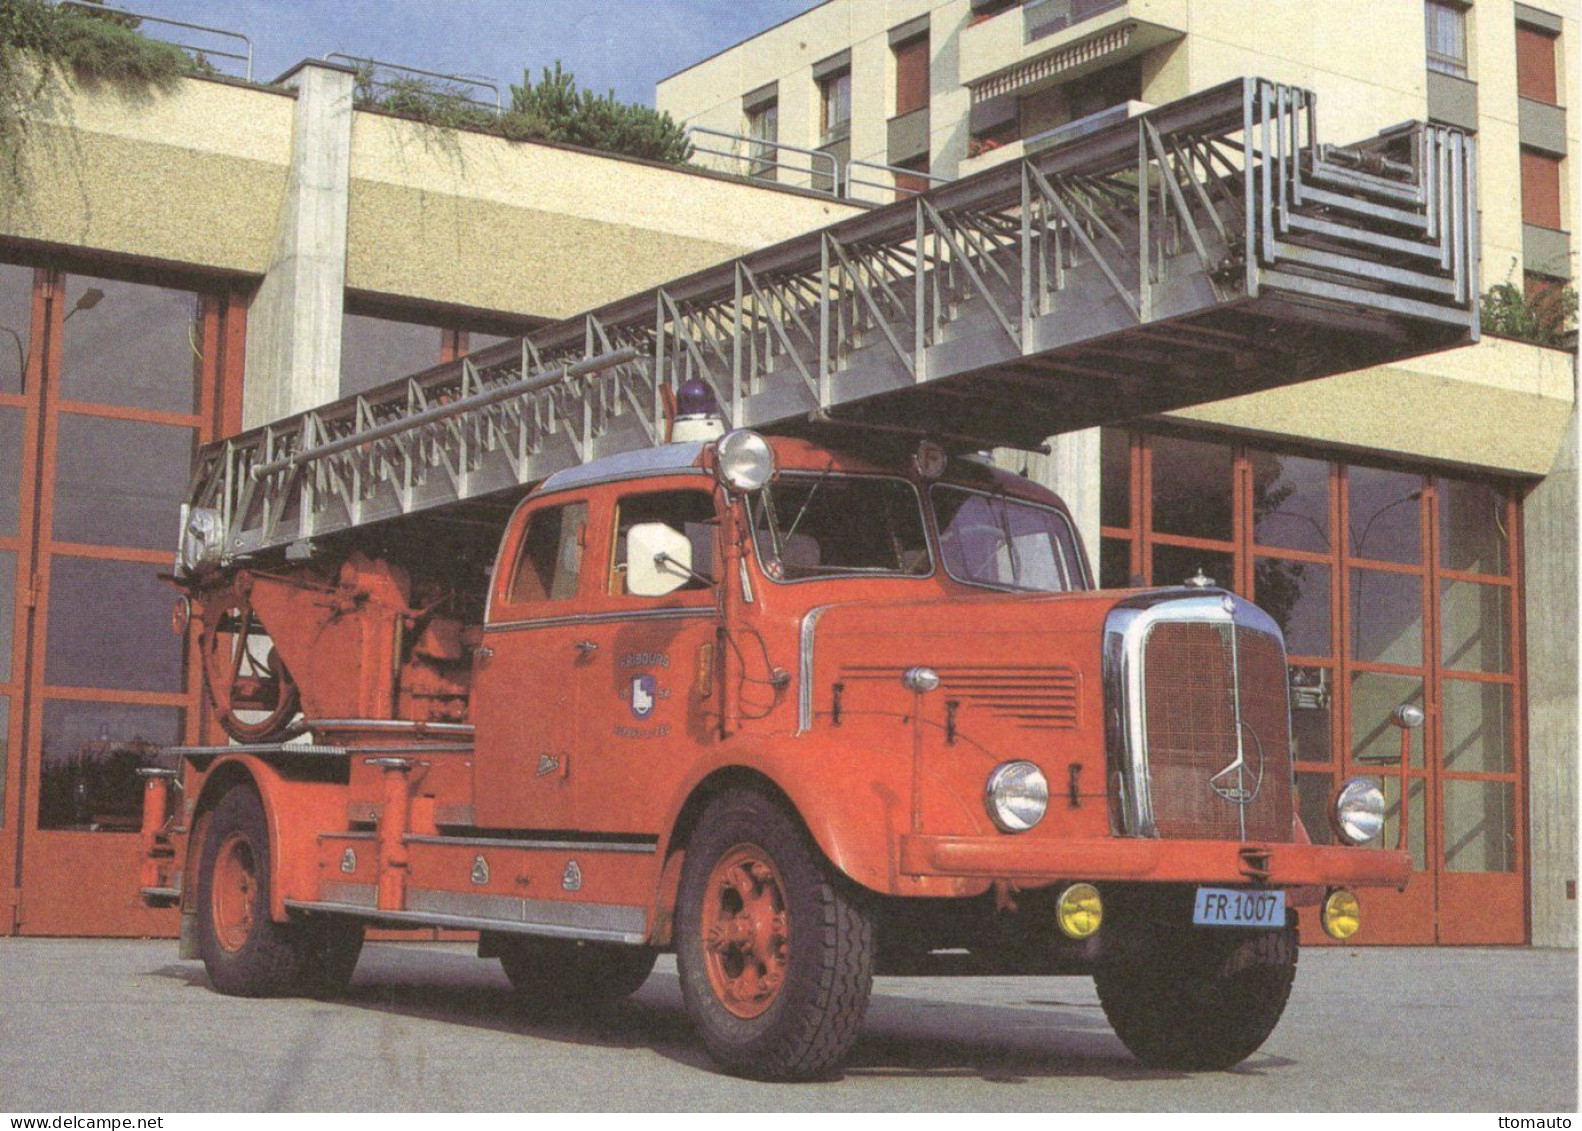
{"points": [[1535, 66], [1540, 189], [911, 76]]}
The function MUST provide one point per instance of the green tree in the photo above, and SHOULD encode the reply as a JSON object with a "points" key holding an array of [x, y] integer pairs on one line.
{"points": [[555, 109]]}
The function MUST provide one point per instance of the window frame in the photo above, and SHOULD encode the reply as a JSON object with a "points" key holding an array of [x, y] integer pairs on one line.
{"points": [[1085, 582], [929, 541], [830, 132]]}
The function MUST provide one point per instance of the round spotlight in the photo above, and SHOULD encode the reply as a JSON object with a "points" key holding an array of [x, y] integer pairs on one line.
{"points": [[1358, 814], [1342, 914], [745, 460], [1079, 911], [1017, 796]]}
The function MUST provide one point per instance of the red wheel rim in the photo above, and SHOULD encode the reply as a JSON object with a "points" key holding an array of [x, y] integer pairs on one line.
{"points": [[232, 891], [746, 931]]}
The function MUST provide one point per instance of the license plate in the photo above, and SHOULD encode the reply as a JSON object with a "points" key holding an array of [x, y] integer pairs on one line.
{"points": [[1234, 907]]}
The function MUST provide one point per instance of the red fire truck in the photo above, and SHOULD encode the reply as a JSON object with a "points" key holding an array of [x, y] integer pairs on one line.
{"points": [[529, 648]]}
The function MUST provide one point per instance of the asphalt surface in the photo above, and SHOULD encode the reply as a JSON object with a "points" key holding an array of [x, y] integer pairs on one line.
{"points": [[119, 1026]]}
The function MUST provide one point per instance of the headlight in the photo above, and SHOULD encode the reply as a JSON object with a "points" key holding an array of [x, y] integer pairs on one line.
{"points": [[1017, 796], [1358, 815], [745, 460]]}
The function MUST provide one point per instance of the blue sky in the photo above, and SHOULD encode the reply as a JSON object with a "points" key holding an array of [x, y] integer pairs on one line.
{"points": [[626, 44]]}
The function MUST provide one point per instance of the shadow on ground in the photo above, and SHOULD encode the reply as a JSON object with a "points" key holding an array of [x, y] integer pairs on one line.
{"points": [[1048, 1037]]}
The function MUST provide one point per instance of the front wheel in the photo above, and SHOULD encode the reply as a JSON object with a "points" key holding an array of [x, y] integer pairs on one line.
{"points": [[1198, 999], [775, 951]]}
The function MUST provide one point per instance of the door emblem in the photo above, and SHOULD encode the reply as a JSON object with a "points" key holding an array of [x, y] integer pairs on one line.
{"points": [[571, 878], [348, 861], [547, 764], [643, 688], [480, 870]]}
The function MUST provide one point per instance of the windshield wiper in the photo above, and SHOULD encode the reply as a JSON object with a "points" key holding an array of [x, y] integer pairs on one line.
{"points": [[807, 502], [1003, 517]]}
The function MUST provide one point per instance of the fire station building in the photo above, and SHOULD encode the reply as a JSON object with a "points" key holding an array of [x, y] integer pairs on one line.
{"points": [[176, 267]]}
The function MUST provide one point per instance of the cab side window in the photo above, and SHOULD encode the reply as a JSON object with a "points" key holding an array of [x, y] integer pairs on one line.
{"points": [[550, 559], [689, 512]]}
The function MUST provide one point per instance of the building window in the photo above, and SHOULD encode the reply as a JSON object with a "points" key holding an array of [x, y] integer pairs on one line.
{"points": [[835, 97], [1535, 65], [1045, 17], [1540, 189], [1447, 37], [1390, 586], [911, 75], [763, 127]]}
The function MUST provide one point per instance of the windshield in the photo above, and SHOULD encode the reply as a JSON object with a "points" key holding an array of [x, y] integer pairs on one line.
{"points": [[824, 525], [1005, 543]]}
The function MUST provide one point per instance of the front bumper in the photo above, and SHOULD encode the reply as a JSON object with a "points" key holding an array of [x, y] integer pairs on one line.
{"points": [[1154, 861]]}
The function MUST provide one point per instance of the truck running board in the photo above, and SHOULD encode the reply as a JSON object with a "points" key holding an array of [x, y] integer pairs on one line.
{"points": [[590, 922], [1206, 249]]}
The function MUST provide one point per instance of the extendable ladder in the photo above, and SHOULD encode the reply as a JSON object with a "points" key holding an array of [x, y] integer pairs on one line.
{"points": [[1205, 249]]}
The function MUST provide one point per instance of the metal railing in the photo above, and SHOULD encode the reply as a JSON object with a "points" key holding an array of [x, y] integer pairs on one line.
{"points": [[205, 53], [758, 159], [455, 83], [853, 180]]}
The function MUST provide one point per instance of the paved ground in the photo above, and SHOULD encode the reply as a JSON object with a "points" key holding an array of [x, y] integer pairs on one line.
{"points": [[122, 1026]]}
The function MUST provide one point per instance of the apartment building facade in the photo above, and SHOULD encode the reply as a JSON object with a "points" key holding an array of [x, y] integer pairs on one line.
{"points": [[1413, 527]]}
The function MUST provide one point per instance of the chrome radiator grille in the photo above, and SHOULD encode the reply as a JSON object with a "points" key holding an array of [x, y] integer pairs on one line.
{"points": [[1210, 777], [1200, 735]]}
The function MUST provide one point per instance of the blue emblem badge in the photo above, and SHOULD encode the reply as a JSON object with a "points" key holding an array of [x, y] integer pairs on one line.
{"points": [[643, 688]]}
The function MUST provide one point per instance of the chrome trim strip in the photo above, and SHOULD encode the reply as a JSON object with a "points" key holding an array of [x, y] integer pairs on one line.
{"points": [[348, 836], [389, 724], [470, 923], [805, 668], [349, 895], [605, 618], [640, 847]]}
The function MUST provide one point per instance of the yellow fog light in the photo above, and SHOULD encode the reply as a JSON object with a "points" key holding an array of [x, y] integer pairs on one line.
{"points": [[1080, 911], [1342, 914]]}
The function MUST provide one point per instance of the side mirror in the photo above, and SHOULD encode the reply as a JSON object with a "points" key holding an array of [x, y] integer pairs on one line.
{"points": [[658, 560]]}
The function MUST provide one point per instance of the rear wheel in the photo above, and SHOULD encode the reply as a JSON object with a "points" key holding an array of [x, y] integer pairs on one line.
{"points": [[244, 951], [557, 973], [1198, 999], [775, 950]]}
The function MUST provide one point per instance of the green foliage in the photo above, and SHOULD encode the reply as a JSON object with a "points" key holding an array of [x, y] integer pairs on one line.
{"points": [[1542, 315], [42, 46], [555, 110], [435, 103], [94, 48]]}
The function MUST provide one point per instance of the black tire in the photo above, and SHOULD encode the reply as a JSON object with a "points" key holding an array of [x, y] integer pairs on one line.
{"points": [[1198, 1000], [553, 974], [244, 951], [823, 951], [328, 947]]}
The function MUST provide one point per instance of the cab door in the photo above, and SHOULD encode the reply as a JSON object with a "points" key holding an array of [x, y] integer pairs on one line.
{"points": [[526, 679], [649, 695]]}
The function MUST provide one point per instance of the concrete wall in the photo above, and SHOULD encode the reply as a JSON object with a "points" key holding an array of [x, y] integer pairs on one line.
{"points": [[1549, 523]]}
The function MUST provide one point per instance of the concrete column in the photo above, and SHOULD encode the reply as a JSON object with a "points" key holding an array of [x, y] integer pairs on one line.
{"points": [[294, 324], [1549, 520], [1070, 470]]}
